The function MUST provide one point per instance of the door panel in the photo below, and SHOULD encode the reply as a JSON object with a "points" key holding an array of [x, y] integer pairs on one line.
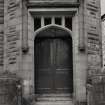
{"points": [[63, 53], [42, 53], [64, 74], [63, 81], [53, 65], [43, 71], [44, 81]]}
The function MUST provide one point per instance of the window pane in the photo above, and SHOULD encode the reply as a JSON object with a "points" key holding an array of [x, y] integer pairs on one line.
{"points": [[58, 20], [47, 20], [37, 23], [68, 22]]}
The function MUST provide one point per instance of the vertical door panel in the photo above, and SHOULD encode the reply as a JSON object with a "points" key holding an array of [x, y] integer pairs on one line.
{"points": [[64, 70], [43, 71]]}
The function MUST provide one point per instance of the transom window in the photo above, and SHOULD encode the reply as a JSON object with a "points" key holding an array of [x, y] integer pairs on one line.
{"points": [[41, 21]]}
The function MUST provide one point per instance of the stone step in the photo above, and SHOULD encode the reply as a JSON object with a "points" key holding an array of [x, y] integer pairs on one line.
{"points": [[54, 103], [54, 99]]}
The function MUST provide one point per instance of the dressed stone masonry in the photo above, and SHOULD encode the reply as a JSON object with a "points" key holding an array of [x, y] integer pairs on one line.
{"points": [[17, 30]]}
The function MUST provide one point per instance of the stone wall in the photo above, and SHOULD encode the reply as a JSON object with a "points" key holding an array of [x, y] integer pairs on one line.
{"points": [[92, 15], [19, 44], [1, 33], [89, 56], [90, 33], [16, 31], [13, 34]]}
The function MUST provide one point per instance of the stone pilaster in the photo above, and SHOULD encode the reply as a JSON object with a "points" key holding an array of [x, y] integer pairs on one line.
{"points": [[24, 26]]}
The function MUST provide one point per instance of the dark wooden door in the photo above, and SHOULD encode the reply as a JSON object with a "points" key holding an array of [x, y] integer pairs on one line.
{"points": [[53, 65], [63, 66]]}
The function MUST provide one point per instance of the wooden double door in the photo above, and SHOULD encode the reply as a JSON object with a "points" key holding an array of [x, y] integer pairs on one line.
{"points": [[53, 65]]}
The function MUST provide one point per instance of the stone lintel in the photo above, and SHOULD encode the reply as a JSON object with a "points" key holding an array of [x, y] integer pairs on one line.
{"points": [[51, 11], [52, 4]]}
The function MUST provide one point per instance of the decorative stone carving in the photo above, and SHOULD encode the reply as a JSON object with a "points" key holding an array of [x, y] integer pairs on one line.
{"points": [[24, 26], [82, 25]]}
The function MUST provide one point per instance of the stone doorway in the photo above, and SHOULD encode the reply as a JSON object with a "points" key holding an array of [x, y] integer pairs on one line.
{"points": [[53, 62]]}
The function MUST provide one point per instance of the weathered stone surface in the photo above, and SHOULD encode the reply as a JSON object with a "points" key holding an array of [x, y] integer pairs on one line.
{"points": [[12, 32], [1, 11], [1, 33], [9, 90], [93, 34], [19, 35]]}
